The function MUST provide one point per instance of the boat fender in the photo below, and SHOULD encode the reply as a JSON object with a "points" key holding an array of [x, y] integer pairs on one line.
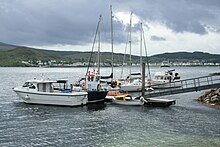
{"points": [[143, 100], [98, 87], [27, 97]]}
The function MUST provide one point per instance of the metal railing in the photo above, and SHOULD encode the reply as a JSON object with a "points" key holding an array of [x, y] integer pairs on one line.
{"points": [[183, 86]]}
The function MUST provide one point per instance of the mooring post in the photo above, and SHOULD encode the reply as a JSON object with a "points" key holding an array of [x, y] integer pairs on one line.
{"points": [[143, 80]]}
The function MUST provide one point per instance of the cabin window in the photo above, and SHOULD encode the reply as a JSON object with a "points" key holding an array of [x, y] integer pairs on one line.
{"points": [[26, 84], [38, 87], [97, 79], [88, 78], [51, 87], [32, 87], [29, 85], [44, 87], [89, 87], [92, 78]]}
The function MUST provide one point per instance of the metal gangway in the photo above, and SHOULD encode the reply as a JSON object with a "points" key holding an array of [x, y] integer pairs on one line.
{"points": [[184, 86]]}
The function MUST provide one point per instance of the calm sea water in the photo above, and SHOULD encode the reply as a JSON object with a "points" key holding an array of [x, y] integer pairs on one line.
{"points": [[185, 124]]}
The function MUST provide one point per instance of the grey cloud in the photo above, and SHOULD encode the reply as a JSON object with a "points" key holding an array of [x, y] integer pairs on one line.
{"points": [[157, 38], [182, 15], [212, 29], [38, 22], [50, 22]]}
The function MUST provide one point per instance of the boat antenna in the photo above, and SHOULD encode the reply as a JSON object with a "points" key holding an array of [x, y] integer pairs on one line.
{"points": [[97, 30], [112, 41], [145, 46]]}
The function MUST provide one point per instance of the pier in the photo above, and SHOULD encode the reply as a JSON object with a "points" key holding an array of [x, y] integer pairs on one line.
{"points": [[184, 86], [178, 87]]}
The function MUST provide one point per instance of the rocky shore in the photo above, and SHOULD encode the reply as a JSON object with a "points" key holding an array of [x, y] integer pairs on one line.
{"points": [[211, 97]]}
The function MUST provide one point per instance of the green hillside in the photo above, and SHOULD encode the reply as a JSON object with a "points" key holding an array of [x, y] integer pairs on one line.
{"points": [[5, 47], [15, 56], [12, 55], [186, 56]]}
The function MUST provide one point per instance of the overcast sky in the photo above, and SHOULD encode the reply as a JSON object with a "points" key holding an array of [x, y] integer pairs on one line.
{"points": [[169, 25]]}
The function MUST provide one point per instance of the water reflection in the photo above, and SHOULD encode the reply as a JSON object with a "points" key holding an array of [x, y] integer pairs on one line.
{"points": [[96, 106]]}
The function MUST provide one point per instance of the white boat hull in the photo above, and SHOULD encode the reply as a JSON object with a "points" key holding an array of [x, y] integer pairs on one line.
{"points": [[52, 98], [130, 87], [128, 103]]}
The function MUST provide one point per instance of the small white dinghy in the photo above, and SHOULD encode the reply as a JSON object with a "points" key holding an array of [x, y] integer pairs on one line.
{"points": [[126, 99]]}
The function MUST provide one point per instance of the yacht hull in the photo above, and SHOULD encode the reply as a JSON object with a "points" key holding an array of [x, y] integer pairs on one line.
{"points": [[96, 96], [52, 98]]}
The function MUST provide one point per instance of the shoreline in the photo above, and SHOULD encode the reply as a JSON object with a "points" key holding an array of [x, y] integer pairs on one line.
{"points": [[211, 98], [47, 66]]}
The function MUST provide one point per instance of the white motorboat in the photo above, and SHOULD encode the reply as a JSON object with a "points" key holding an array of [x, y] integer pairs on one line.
{"points": [[165, 64], [43, 92], [126, 99], [165, 80]]}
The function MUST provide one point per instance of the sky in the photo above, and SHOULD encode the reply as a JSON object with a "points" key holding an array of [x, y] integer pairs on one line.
{"points": [[169, 25]]}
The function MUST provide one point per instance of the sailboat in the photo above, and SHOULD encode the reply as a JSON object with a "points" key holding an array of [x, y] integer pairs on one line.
{"points": [[133, 82], [112, 84], [96, 93]]}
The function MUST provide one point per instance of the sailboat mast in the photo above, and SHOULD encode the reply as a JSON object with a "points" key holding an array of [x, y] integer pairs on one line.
{"points": [[112, 41], [130, 41], [145, 46], [99, 45], [93, 45], [141, 47]]}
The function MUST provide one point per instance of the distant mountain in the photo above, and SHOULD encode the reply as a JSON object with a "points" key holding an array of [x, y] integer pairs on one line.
{"points": [[12, 55], [5, 47], [187, 56], [15, 56]]}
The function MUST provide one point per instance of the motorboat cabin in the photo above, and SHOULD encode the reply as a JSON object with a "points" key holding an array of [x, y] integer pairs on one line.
{"points": [[95, 91], [39, 85], [166, 76], [93, 82]]}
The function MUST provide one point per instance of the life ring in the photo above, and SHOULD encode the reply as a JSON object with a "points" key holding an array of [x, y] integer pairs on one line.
{"points": [[84, 87]]}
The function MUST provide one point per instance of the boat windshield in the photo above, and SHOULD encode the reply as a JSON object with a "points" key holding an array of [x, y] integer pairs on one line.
{"points": [[159, 77], [29, 84]]}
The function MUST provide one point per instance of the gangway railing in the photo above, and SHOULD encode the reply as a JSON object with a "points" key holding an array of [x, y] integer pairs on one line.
{"points": [[184, 86]]}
